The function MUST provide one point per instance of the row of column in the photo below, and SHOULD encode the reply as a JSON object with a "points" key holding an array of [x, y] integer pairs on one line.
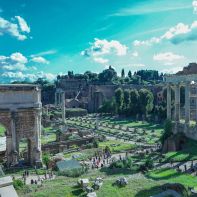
{"points": [[177, 102], [60, 101], [58, 98]]}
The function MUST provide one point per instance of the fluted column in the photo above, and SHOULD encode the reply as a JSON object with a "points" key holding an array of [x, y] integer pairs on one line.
{"points": [[177, 102], [187, 103], [13, 131], [63, 106], [55, 98], [36, 160], [169, 102]]}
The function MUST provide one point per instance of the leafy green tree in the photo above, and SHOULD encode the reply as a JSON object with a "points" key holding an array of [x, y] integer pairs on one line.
{"points": [[107, 75], [130, 74], [146, 101], [123, 73], [70, 74], [119, 96], [167, 131], [126, 101], [134, 102], [108, 106], [46, 160]]}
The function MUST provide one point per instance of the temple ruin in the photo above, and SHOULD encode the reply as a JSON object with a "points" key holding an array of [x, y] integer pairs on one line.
{"points": [[175, 82], [20, 113]]}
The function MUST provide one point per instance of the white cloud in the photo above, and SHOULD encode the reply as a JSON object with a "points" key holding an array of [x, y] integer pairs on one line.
{"points": [[23, 24], [18, 57], [40, 59], [16, 66], [20, 76], [168, 56], [102, 48], [149, 9], [15, 30], [172, 70], [138, 65], [195, 6], [16, 61], [43, 53], [101, 60], [177, 34], [135, 54]]}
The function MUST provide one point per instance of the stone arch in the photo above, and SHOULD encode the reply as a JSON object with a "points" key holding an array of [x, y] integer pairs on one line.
{"points": [[20, 113]]}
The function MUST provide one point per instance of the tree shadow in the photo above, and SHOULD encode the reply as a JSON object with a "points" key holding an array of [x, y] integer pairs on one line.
{"points": [[164, 177], [78, 191], [149, 192], [178, 154], [115, 171]]}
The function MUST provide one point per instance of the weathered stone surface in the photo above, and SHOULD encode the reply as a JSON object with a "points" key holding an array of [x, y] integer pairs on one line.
{"points": [[20, 113]]}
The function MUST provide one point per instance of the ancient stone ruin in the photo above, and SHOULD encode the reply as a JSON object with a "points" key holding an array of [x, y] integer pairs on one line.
{"points": [[20, 113]]}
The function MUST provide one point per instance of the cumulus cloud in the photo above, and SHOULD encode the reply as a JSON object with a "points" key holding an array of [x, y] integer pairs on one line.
{"points": [[168, 57], [195, 6], [177, 34], [17, 67], [135, 54], [20, 76], [101, 60], [172, 70], [13, 29], [40, 60], [16, 61], [102, 48], [18, 57], [23, 24]]}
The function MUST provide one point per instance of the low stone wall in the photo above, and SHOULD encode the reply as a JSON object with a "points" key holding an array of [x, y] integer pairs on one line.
{"points": [[190, 132]]}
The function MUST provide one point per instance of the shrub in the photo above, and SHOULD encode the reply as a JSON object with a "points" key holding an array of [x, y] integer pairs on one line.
{"points": [[74, 172], [18, 184]]}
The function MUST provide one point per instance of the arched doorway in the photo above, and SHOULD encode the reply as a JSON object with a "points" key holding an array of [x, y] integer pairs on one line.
{"points": [[2, 143], [24, 152]]}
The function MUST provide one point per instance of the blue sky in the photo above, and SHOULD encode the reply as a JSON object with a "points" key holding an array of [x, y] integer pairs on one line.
{"points": [[45, 38]]}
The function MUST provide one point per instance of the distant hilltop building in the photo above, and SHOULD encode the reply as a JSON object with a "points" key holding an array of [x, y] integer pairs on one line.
{"points": [[190, 69], [79, 93]]}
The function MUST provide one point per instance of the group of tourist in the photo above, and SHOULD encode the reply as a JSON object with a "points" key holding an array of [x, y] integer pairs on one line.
{"points": [[101, 159]]}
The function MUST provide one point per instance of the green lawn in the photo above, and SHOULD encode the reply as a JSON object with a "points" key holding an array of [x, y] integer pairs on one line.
{"points": [[2, 130], [189, 152], [64, 186], [172, 176], [48, 138], [116, 146], [83, 154], [137, 124]]}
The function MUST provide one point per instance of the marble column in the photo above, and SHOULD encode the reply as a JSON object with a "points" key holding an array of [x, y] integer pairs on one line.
{"points": [[63, 106], [55, 98], [177, 102], [169, 102], [59, 99], [13, 131], [187, 103], [37, 148]]}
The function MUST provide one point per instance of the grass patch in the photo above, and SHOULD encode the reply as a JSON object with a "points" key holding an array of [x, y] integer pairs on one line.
{"points": [[2, 130], [116, 146], [189, 152], [172, 176]]}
